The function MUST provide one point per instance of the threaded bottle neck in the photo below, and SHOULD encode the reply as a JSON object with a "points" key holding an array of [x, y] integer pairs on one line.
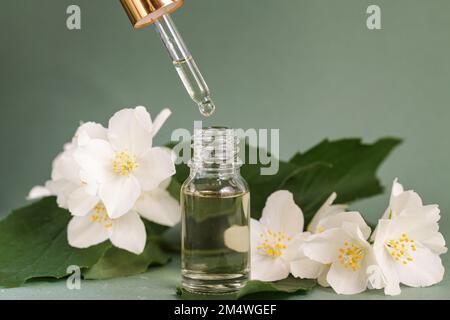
{"points": [[215, 148]]}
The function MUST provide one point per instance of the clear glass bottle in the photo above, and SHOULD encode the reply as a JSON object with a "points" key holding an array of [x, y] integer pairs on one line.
{"points": [[215, 203]]}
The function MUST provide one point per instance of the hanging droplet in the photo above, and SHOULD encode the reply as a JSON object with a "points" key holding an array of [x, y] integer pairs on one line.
{"points": [[207, 108]]}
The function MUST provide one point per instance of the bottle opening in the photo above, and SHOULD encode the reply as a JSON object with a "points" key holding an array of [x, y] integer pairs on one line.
{"points": [[215, 147]]}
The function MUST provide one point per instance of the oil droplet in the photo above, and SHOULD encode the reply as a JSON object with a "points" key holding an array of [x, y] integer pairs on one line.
{"points": [[207, 108]]}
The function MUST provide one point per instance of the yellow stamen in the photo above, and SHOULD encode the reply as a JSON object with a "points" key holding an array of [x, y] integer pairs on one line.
{"points": [[99, 215], [401, 253], [274, 243], [351, 256], [124, 163]]}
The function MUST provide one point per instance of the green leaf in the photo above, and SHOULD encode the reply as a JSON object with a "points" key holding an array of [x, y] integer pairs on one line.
{"points": [[154, 231], [174, 188], [33, 242], [288, 285], [350, 173], [120, 263]]}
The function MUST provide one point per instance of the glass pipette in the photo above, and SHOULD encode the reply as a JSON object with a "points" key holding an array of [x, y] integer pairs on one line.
{"points": [[145, 12], [185, 65]]}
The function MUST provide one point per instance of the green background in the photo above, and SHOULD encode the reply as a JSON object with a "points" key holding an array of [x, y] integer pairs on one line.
{"points": [[308, 67]]}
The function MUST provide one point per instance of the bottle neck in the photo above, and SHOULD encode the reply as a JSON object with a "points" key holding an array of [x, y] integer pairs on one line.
{"points": [[219, 173], [215, 152]]}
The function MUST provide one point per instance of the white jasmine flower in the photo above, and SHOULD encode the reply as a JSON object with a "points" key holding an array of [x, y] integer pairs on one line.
{"points": [[347, 252], [125, 165], [326, 210], [408, 203], [76, 193], [159, 206], [408, 242], [38, 192], [329, 216], [127, 232], [403, 256], [303, 267], [66, 184], [275, 237]]}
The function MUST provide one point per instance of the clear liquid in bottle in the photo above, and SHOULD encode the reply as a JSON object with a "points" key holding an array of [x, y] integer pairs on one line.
{"points": [[211, 260]]}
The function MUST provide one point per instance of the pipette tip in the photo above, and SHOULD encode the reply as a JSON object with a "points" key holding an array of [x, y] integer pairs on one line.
{"points": [[207, 108]]}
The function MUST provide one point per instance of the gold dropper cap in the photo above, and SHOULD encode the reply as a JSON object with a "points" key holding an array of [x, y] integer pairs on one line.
{"points": [[145, 12]]}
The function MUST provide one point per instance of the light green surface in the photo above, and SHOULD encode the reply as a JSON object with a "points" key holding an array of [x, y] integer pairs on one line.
{"points": [[160, 283], [308, 67]]}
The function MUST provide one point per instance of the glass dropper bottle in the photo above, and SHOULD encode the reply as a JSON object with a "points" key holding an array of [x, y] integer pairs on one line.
{"points": [[145, 12]]}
